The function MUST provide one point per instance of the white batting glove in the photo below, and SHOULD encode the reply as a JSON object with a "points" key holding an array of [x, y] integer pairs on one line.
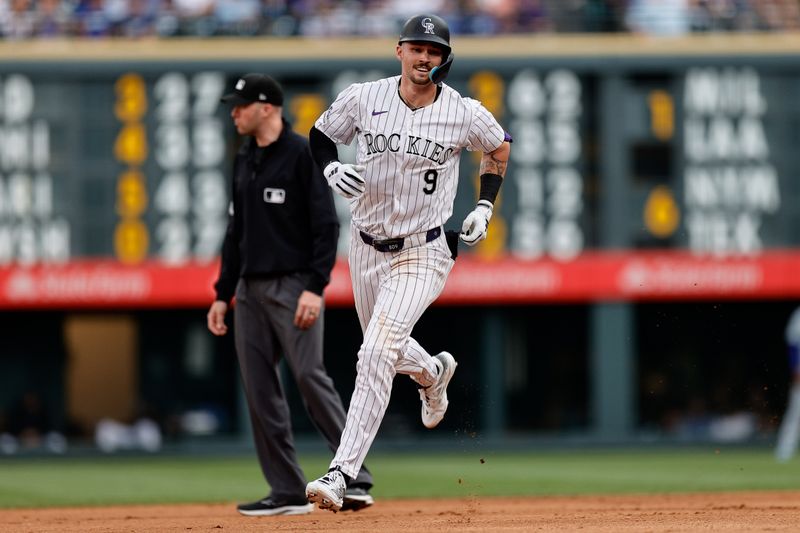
{"points": [[476, 225], [345, 179]]}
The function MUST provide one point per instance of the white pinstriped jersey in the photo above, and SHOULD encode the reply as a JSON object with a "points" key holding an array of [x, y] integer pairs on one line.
{"points": [[411, 157]]}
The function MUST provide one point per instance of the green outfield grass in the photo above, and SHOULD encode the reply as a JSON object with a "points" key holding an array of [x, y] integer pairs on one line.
{"points": [[37, 482]]}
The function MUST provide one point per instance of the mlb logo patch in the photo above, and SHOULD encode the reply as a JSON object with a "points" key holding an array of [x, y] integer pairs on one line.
{"points": [[274, 196]]}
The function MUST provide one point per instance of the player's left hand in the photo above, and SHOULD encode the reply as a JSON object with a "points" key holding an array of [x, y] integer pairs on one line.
{"points": [[476, 225], [309, 306]]}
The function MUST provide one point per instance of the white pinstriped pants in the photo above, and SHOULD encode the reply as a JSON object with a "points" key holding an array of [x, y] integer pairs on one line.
{"points": [[391, 291]]}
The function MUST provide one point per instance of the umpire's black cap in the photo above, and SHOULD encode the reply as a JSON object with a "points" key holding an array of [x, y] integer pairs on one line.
{"points": [[255, 88]]}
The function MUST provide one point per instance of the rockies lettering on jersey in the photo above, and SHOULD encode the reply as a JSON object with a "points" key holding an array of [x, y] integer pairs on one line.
{"points": [[432, 150], [411, 156]]}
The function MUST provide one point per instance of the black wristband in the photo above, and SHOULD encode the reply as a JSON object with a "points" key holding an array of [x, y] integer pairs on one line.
{"points": [[490, 186]]}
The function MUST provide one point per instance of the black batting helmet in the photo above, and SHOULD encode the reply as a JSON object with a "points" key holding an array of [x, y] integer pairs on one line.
{"points": [[431, 29], [428, 28]]}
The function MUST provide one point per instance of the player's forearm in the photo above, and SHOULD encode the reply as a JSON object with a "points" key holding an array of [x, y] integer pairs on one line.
{"points": [[496, 162], [323, 149], [492, 171]]}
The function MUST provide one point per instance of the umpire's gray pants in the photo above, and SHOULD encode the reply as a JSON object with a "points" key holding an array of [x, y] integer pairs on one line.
{"points": [[264, 330]]}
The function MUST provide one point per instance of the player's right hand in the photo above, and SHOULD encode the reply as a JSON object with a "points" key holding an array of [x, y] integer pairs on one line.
{"points": [[345, 179], [216, 318]]}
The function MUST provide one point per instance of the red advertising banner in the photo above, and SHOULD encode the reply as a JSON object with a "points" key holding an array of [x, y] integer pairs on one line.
{"points": [[624, 276], [594, 276]]}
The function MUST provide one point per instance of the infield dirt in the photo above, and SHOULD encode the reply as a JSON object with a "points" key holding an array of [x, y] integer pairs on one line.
{"points": [[738, 511]]}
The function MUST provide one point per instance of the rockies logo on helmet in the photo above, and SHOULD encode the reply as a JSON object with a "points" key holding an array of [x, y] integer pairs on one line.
{"points": [[428, 25]]}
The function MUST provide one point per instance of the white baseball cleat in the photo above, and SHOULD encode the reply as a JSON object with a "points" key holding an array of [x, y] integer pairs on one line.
{"points": [[327, 491], [434, 398]]}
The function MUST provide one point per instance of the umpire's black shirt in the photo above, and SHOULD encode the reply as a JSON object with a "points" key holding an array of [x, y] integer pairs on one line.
{"points": [[282, 220]]}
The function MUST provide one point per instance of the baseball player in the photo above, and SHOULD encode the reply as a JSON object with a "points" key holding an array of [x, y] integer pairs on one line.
{"points": [[789, 432], [410, 130]]}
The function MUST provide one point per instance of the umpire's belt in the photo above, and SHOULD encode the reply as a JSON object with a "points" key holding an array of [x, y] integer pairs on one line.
{"points": [[397, 244]]}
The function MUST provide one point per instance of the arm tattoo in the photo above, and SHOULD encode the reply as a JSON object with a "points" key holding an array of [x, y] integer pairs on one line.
{"points": [[491, 164]]}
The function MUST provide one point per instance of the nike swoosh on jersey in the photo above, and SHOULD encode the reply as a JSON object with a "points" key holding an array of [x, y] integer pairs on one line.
{"points": [[376, 113]]}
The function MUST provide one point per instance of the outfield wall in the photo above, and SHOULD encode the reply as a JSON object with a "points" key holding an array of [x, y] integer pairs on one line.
{"points": [[652, 187]]}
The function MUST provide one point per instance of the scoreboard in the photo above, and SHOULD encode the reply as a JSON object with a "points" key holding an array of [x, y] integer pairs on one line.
{"points": [[125, 167], [730, 132], [632, 176]]}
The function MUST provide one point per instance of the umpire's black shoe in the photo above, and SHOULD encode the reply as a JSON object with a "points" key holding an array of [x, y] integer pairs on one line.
{"points": [[356, 498], [271, 507]]}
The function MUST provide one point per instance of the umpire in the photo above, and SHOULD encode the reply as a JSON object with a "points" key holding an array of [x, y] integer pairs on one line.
{"points": [[277, 256]]}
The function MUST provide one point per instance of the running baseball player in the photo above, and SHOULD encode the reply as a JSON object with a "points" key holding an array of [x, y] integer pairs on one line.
{"points": [[410, 130]]}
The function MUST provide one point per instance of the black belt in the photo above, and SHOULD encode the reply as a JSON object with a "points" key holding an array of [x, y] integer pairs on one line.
{"points": [[396, 244]]}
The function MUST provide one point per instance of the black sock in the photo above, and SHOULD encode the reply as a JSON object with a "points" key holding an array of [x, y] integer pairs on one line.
{"points": [[347, 479]]}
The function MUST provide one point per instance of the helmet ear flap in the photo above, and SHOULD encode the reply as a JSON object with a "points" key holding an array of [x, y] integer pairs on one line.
{"points": [[438, 74]]}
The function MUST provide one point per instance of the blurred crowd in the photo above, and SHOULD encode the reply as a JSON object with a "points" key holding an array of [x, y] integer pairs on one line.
{"points": [[23, 19]]}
